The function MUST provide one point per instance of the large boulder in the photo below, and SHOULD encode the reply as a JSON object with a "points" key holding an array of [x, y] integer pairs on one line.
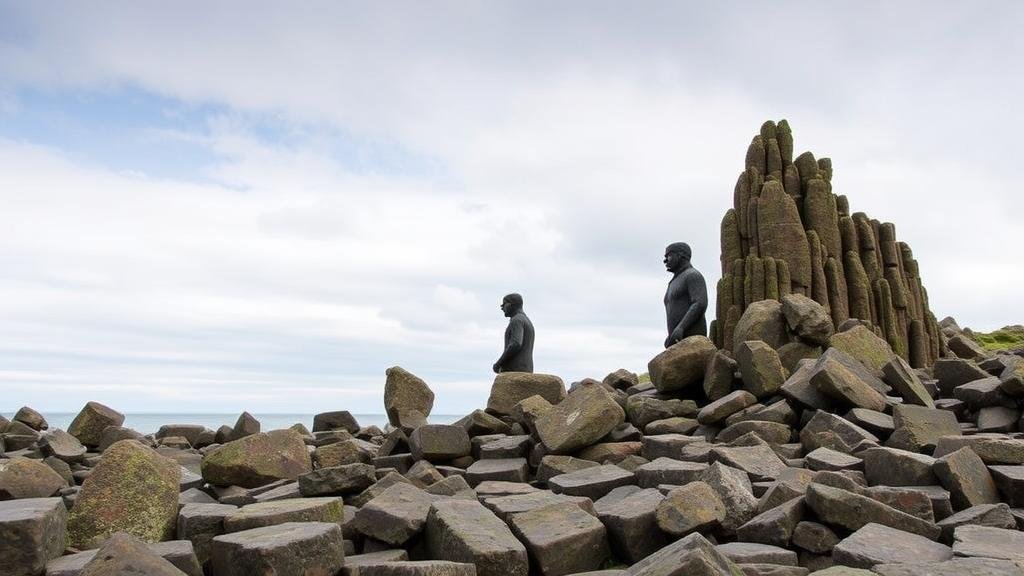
{"points": [[257, 460], [337, 420], [124, 554], [407, 398], [30, 418], [28, 478], [510, 388], [863, 345], [762, 320], [132, 489], [439, 442], [760, 368], [466, 531], [32, 531], [314, 548], [583, 418], [845, 380], [88, 426], [682, 364], [808, 319]]}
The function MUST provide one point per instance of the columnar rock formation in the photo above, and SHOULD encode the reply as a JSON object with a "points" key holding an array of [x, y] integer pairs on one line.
{"points": [[789, 233]]}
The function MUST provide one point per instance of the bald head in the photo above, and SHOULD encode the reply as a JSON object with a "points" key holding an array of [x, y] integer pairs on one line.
{"points": [[681, 248]]}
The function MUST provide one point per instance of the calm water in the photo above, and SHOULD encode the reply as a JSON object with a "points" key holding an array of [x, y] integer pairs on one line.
{"points": [[151, 422]]}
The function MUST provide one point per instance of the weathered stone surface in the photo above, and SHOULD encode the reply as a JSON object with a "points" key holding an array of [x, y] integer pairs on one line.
{"points": [[953, 372], [764, 321], [632, 527], [561, 539], [775, 526], [257, 460], [878, 423], [808, 319], [28, 478], [878, 544], [583, 418], [396, 515], [968, 480], [125, 554], [337, 420], [62, 445], [322, 509], [668, 471], [831, 431], [770, 432], [503, 469], [466, 531], [998, 419], [918, 428], [113, 434], [991, 448], [505, 506], [991, 515], [760, 368], [864, 346], [781, 234], [987, 542], [828, 459], [691, 555], [734, 490], [799, 390], [893, 467], [792, 353], [954, 567], [517, 446], [199, 523], [843, 379], [814, 537], [389, 480], [591, 482], [694, 506], [746, 553], [289, 549], [966, 348], [554, 464], [853, 511], [718, 375], [642, 409], [1010, 482], [439, 442], [337, 480], [132, 489], [725, 406], [179, 553], [478, 423], [905, 381], [414, 568], [30, 418], [682, 364], [759, 461], [88, 426], [510, 388], [32, 531], [407, 398], [350, 451]]}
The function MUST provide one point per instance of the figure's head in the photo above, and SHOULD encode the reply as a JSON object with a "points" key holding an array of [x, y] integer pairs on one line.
{"points": [[677, 256], [511, 304]]}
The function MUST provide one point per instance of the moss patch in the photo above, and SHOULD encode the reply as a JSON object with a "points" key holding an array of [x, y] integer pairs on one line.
{"points": [[1006, 338]]}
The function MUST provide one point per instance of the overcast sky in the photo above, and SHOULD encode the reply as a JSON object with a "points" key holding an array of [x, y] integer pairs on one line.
{"points": [[247, 205]]}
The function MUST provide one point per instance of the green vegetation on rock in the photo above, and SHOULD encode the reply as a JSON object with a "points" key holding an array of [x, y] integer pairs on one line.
{"points": [[1006, 338]]}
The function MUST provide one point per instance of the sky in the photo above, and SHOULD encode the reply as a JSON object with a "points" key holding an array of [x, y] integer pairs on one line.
{"points": [[261, 206]]}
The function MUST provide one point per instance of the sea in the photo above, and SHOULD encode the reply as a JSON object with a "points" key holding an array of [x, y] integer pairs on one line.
{"points": [[150, 422]]}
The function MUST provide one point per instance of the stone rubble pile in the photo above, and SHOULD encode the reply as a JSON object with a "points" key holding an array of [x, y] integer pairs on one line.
{"points": [[838, 460]]}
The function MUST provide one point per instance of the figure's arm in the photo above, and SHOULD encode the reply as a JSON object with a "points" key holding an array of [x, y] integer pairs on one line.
{"points": [[698, 293], [515, 342]]}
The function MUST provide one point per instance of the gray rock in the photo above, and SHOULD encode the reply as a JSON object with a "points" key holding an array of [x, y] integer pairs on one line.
{"points": [[30, 418], [954, 567], [33, 533], [718, 375], [853, 511], [759, 461], [466, 531], [734, 490], [200, 523], [632, 526], [554, 464], [179, 553], [691, 555], [989, 542], [561, 539], [968, 480], [878, 544], [831, 431], [396, 515], [991, 448], [692, 507], [94, 417], [668, 471], [292, 548], [642, 409], [774, 527], [325, 509], [845, 380], [828, 459], [756, 553], [123, 553], [1010, 482], [762, 320], [407, 398], [583, 418], [591, 482], [414, 568], [991, 515], [953, 372], [682, 364], [504, 469], [893, 467], [808, 319], [814, 537], [760, 368], [246, 425], [918, 428], [510, 388], [439, 442], [905, 381], [337, 420], [337, 480], [725, 406]]}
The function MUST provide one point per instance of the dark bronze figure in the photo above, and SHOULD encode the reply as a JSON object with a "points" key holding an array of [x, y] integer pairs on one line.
{"points": [[518, 354], [686, 298]]}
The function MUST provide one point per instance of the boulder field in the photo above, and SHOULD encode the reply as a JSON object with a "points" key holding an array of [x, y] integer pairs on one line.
{"points": [[807, 448]]}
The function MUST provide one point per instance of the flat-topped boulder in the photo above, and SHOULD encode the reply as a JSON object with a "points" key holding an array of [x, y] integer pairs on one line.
{"points": [[132, 489], [632, 525], [289, 548], [33, 533], [439, 442], [396, 515], [511, 388], [123, 553], [257, 460], [562, 539], [879, 544], [179, 553], [336, 420], [682, 364], [584, 417], [466, 531], [322, 509], [94, 417], [591, 482], [342, 479]]}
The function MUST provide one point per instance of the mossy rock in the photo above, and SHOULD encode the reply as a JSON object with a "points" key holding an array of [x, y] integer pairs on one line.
{"points": [[1006, 338], [257, 460], [28, 478], [132, 489], [864, 345]]}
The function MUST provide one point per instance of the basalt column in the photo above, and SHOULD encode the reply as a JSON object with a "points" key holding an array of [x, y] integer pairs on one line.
{"points": [[788, 232]]}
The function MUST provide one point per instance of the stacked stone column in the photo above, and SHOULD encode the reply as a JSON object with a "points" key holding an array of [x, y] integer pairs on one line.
{"points": [[788, 232]]}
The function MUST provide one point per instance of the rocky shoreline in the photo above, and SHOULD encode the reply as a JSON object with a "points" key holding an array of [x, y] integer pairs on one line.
{"points": [[726, 463]]}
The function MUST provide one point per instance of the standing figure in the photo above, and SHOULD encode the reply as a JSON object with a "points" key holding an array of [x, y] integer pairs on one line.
{"points": [[686, 298], [518, 354]]}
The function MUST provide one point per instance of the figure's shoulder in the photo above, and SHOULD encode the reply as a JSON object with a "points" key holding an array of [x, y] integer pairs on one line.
{"points": [[692, 272], [522, 318]]}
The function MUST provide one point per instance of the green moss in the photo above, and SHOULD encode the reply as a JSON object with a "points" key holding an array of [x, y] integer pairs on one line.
{"points": [[1006, 338], [644, 378]]}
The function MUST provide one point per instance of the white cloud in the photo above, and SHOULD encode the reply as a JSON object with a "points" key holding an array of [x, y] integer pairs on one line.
{"points": [[422, 161]]}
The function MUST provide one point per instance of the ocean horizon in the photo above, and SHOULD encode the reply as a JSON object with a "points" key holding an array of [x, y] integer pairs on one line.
{"points": [[150, 422]]}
